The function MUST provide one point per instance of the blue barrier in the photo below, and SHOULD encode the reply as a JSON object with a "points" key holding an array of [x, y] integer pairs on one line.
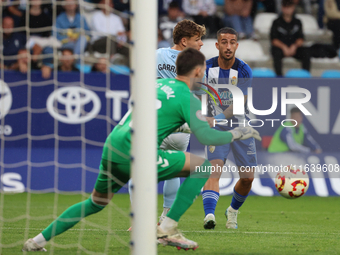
{"points": [[77, 115]]}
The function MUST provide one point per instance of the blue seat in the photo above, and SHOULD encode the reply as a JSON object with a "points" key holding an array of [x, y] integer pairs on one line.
{"points": [[331, 74], [219, 2], [298, 73], [263, 73], [84, 68], [120, 69]]}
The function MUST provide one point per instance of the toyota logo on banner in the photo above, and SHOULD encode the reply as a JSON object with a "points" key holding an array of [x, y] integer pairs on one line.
{"points": [[74, 100], [5, 99]]}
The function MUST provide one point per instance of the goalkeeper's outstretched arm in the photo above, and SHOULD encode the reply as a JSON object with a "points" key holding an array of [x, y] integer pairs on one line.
{"points": [[208, 136]]}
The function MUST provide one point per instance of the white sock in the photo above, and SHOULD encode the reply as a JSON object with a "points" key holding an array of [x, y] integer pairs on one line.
{"points": [[168, 224], [40, 240]]}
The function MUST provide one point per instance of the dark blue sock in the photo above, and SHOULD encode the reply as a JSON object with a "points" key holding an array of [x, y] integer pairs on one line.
{"points": [[237, 200], [210, 199]]}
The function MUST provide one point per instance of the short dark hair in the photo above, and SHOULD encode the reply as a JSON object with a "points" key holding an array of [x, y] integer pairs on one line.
{"points": [[295, 110], [227, 30], [66, 49], [287, 3], [187, 60], [187, 28], [174, 4]]}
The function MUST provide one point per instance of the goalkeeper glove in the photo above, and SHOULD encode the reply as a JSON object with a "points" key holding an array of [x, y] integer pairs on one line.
{"points": [[243, 133], [183, 129]]}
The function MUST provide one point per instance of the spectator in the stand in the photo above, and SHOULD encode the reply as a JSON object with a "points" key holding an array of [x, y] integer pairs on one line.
{"points": [[275, 5], [40, 42], [69, 25], [203, 12], [332, 10], [100, 66], [22, 65], [238, 16], [162, 43], [321, 12], [15, 10], [287, 38], [293, 137], [67, 61], [12, 43], [168, 22], [305, 4], [163, 6], [122, 5], [108, 28], [269, 5]]}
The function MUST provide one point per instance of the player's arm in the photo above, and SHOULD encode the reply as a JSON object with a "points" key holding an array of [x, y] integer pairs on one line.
{"points": [[207, 136], [287, 136], [227, 114], [310, 142]]}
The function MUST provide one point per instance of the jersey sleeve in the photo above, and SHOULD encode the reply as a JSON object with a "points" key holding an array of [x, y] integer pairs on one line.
{"points": [[245, 79], [309, 141], [199, 125]]}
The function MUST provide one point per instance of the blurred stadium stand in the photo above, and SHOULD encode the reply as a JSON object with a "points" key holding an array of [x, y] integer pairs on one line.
{"points": [[298, 73], [263, 72]]}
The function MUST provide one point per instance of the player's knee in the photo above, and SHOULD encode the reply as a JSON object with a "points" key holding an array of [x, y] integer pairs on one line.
{"points": [[101, 199], [215, 176], [247, 181], [203, 170]]}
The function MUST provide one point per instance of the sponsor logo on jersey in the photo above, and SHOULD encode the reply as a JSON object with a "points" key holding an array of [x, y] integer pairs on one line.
{"points": [[5, 99], [70, 105], [213, 90]]}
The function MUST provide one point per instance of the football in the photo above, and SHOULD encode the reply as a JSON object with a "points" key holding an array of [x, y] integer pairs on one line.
{"points": [[292, 182]]}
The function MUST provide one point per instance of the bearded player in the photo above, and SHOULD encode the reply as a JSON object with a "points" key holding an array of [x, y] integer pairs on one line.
{"points": [[182, 107], [227, 69]]}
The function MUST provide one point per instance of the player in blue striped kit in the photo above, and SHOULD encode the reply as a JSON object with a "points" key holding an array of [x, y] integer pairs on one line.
{"points": [[186, 34], [227, 69]]}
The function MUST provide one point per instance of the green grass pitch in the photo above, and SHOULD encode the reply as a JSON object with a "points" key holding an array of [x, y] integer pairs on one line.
{"points": [[267, 225]]}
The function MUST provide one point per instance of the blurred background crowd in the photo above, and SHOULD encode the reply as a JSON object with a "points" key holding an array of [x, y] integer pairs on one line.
{"points": [[274, 35]]}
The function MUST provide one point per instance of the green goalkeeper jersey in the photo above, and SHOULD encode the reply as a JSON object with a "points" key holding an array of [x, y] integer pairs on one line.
{"points": [[175, 106]]}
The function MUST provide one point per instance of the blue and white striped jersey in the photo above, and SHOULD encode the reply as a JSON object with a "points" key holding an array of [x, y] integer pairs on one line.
{"points": [[239, 75]]}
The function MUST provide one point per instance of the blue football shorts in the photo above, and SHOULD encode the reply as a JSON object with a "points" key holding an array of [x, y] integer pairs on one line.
{"points": [[244, 151]]}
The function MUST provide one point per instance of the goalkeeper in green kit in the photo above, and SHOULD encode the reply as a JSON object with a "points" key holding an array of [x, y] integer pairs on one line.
{"points": [[176, 105]]}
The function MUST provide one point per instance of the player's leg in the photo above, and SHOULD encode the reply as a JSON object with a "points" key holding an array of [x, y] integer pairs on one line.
{"points": [[170, 189], [197, 171], [177, 142], [216, 155], [245, 157], [106, 185]]}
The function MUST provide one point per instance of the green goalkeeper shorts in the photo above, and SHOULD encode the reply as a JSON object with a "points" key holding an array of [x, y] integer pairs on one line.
{"points": [[115, 175]]}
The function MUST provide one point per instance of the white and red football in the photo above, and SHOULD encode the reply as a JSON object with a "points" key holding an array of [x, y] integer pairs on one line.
{"points": [[292, 182]]}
